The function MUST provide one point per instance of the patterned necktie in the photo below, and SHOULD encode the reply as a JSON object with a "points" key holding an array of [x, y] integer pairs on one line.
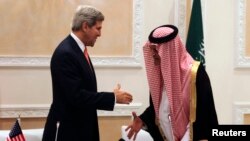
{"points": [[86, 55]]}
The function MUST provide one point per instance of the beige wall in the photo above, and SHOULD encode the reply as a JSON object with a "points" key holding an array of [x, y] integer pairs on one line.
{"points": [[229, 85], [32, 85], [54, 24], [247, 119]]}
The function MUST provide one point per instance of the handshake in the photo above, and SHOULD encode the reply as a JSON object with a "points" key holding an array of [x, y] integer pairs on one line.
{"points": [[122, 97]]}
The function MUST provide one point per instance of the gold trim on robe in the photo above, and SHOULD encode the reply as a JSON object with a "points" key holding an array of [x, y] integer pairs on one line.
{"points": [[193, 98]]}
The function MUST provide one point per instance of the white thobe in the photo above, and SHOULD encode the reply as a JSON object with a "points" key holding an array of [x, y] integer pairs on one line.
{"points": [[165, 119]]}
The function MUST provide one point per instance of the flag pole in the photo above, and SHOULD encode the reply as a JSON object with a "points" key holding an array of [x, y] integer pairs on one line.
{"points": [[57, 127], [19, 119]]}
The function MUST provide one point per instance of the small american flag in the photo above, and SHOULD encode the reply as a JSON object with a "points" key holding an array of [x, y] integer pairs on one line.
{"points": [[16, 133]]}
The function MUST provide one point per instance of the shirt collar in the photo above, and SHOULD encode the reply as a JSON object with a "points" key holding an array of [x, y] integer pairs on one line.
{"points": [[78, 41]]}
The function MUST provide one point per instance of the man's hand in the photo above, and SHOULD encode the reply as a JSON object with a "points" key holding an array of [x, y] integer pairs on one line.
{"points": [[122, 97], [135, 127]]}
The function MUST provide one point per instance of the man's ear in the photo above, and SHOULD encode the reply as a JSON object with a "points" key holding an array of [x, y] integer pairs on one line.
{"points": [[84, 26]]}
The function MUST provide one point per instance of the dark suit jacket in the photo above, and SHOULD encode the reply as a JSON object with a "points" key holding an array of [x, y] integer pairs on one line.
{"points": [[206, 117], [75, 97]]}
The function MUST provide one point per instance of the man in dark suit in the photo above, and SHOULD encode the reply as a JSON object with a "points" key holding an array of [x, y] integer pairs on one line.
{"points": [[73, 112]]}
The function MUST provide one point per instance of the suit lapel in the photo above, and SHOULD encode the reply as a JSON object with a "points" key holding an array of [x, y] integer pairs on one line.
{"points": [[83, 61]]}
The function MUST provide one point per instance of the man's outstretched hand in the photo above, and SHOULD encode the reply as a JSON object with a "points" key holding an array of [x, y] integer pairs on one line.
{"points": [[122, 97], [135, 127]]}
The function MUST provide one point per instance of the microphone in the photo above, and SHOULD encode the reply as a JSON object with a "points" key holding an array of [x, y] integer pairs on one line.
{"points": [[57, 127]]}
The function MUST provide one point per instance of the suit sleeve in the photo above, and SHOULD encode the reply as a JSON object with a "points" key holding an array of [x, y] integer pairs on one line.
{"points": [[75, 84], [148, 117], [206, 117]]}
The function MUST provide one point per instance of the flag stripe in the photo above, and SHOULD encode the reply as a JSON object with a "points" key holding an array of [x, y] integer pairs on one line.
{"points": [[16, 133]]}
